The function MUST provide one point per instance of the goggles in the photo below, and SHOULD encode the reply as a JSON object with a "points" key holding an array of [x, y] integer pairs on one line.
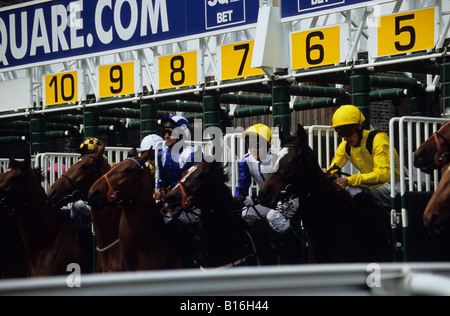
{"points": [[167, 131], [346, 130]]}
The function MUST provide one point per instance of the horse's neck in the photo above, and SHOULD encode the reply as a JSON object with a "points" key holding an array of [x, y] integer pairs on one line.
{"points": [[38, 224]]}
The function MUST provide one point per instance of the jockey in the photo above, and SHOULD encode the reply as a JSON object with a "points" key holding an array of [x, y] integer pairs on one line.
{"points": [[368, 151], [257, 164], [90, 146], [173, 163], [149, 142]]}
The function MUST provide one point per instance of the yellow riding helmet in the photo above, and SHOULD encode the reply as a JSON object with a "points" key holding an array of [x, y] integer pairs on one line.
{"points": [[90, 143], [346, 115], [260, 130]]}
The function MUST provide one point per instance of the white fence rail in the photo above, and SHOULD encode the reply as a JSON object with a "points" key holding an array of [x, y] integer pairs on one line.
{"points": [[330, 279]]}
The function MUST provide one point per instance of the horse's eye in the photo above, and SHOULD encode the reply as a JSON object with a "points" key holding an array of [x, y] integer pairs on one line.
{"points": [[85, 167]]}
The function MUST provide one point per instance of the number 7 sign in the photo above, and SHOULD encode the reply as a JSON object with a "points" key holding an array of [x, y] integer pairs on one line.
{"points": [[237, 60]]}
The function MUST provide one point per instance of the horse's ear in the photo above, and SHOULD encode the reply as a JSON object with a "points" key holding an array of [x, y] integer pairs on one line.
{"points": [[282, 135], [145, 156], [27, 159], [301, 133], [101, 150]]}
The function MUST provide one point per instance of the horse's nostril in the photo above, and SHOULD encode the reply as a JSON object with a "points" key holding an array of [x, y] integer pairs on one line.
{"points": [[434, 219]]}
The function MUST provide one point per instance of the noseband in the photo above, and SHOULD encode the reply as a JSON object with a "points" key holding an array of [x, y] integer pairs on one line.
{"points": [[439, 160], [112, 195]]}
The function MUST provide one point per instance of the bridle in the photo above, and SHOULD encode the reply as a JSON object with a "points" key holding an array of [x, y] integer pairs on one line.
{"points": [[439, 159], [76, 193], [113, 195], [186, 201]]}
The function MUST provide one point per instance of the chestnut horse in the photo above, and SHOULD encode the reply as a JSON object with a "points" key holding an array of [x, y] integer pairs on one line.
{"points": [[75, 185], [337, 230], [145, 241], [434, 154], [224, 241], [50, 240], [435, 151]]}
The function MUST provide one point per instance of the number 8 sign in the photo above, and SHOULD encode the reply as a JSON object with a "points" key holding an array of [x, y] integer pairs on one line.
{"points": [[178, 70]]}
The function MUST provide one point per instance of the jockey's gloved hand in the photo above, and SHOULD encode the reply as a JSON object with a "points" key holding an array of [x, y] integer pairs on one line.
{"points": [[288, 207], [248, 201]]}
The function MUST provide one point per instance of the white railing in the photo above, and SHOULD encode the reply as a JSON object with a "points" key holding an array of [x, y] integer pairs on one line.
{"points": [[412, 129]]}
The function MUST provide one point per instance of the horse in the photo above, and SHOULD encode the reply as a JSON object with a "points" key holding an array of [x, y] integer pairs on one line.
{"points": [[50, 240], [433, 153], [146, 243], [224, 238], [13, 261], [336, 230], [73, 186]]}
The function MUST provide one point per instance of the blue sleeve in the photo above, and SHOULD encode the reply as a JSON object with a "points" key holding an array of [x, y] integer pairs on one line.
{"points": [[162, 180], [245, 179]]}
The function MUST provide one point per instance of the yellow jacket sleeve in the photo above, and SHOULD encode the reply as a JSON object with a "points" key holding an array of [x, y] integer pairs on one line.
{"points": [[341, 156], [375, 168]]}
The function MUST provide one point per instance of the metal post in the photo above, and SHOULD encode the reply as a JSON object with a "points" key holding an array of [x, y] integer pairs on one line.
{"points": [[91, 124], [211, 110], [445, 87], [281, 112], [149, 119], [360, 94], [37, 131]]}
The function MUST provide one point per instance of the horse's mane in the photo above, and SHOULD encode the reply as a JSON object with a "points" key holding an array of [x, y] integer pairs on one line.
{"points": [[219, 171]]}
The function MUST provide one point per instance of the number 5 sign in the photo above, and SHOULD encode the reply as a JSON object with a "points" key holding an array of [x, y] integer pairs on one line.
{"points": [[318, 47], [404, 32]]}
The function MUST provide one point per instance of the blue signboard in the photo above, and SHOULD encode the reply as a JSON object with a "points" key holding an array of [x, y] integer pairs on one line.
{"points": [[62, 29], [293, 8]]}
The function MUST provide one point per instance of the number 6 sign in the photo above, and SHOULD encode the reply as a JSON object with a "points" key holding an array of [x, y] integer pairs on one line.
{"points": [[318, 47]]}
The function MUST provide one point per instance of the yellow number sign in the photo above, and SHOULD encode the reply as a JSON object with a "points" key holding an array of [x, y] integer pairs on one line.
{"points": [[237, 59], [178, 70], [406, 32], [116, 79], [61, 88], [315, 47]]}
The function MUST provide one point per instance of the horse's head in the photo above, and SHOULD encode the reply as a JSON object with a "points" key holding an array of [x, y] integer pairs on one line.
{"points": [[17, 183], [196, 188], [434, 152], [75, 183], [122, 183], [437, 213], [293, 163]]}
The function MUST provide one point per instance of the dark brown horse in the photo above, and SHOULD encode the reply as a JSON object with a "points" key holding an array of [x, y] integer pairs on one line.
{"points": [[75, 185], [337, 230], [13, 262], [434, 153], [224, 240], [50, 240], [145, 241]]}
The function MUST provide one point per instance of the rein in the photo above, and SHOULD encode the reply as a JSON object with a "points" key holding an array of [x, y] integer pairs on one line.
{"points": [[112, 194]]}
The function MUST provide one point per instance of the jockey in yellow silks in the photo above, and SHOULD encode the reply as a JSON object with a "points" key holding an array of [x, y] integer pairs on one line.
{"points": [[368, 151]]}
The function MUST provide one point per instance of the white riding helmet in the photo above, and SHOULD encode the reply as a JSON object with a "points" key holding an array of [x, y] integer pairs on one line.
{"points": [[149, 142]]}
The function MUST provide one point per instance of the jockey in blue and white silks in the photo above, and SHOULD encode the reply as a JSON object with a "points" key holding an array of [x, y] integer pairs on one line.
{"points": [[176, 156]]}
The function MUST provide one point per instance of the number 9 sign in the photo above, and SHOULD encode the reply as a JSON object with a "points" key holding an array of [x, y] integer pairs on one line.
{"points": [[118, 79]]}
